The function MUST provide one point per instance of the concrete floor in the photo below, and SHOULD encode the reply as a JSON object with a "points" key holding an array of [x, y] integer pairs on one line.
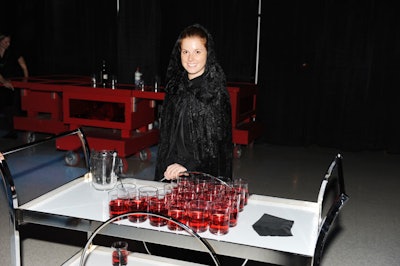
{"points": [[369, 222]]}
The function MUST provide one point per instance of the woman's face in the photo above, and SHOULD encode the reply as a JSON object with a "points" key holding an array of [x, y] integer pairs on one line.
{"points": [[193, 56], [5, 42]]}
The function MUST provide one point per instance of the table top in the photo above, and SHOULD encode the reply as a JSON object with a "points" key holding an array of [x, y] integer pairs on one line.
{"points": [[79, 199]]}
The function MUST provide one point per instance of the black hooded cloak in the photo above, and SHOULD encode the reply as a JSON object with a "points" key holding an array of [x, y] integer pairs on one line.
{"points": [[196, 124]]}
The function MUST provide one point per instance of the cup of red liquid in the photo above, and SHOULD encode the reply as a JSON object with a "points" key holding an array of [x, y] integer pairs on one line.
{"points": [[199, 215], [135, 203], [220, 216], [119, 253], [142, 202], [177, 210], [117, 205], [244, 185], [158, 205], [234, 198]]}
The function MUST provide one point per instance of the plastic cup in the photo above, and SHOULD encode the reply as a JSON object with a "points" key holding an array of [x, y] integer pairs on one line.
{"points": [[219, 219], [142, 202], [117, 205], [177, 210], [158, 205], [244, 185], [119, 253], [199, 215]]}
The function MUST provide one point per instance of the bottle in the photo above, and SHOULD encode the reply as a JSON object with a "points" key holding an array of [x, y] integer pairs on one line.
{"points": [[156, 83], [94, 81], [104, 74], [138, 79]]}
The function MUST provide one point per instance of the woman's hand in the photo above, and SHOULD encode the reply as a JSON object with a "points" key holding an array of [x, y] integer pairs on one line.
{"points": [[173, 171]]}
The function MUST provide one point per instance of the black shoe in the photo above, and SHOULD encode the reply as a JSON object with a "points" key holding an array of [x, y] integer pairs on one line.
{"points": [[10, 135]]}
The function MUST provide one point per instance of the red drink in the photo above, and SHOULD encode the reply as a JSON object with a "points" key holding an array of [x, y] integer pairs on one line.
{"points": [[137, 205], [235, 199], [177, 214], [158, 206], [244, 188], [233, 217], [246, 196], [120, 257], [220, 214], [219, 224], [120, 253], [199, 220], [117, 207], [242, 193]]}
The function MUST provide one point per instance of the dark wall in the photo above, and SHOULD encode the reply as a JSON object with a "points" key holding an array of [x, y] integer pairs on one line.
{"points": [[328, 70]]}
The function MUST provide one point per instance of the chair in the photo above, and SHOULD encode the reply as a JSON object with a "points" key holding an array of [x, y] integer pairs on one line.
{"points": [[331, 199]]}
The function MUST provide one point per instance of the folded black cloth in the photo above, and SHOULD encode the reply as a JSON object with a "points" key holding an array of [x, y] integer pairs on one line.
{"points": [[269, 225]]}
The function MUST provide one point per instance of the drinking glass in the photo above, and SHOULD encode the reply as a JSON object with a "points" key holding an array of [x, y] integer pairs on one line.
{"points": [[177, 210], [117, 205], [199, 215], [119, 253], [220, 215]]}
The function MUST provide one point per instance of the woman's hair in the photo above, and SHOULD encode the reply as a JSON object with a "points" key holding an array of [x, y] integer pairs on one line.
{"points": [[175, 68], [193, 31]]}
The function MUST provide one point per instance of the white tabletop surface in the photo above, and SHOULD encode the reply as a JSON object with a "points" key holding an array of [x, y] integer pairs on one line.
{"points": [[79, 199]]}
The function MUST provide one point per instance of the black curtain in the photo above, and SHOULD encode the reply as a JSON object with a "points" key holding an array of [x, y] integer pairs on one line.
{"points": [[329, 74], [139, 40], [328, 71], [65, 36]]}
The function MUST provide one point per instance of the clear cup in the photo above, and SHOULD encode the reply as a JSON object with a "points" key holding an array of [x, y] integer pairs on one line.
{"points": [[177, 209], [116, 205], [158, 205], [145, 194], [103, 169], [234, 198], [219, 219], [199, 215], [244, 184], [119, 253]]}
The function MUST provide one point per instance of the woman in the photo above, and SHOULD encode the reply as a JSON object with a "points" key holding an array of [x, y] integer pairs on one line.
{"points": [[12, 64], [196, 127]]}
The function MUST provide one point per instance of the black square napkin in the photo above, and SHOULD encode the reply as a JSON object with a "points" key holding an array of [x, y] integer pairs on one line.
{"points": [[269, 225]]}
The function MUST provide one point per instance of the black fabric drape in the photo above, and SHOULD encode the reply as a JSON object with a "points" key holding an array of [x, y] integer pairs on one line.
{"points": [[139, 42], [65, 37], [327, 74]]}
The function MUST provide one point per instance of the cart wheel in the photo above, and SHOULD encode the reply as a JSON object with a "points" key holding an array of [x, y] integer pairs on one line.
{"points": [[237, 151], [71, 158], [145, 155], [29, 137], [122, 166]]}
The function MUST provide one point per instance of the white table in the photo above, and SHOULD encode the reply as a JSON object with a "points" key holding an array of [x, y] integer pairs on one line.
{"points": [[78, 206]]}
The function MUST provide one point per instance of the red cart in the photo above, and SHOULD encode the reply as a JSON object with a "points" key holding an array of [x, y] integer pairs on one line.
{"points": [[118, 119]]}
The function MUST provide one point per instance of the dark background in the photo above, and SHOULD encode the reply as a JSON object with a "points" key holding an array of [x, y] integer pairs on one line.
{"points": [[328, 70]]}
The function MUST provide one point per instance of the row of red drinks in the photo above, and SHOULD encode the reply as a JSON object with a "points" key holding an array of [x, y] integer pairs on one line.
{"points": [[198, 201]]}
